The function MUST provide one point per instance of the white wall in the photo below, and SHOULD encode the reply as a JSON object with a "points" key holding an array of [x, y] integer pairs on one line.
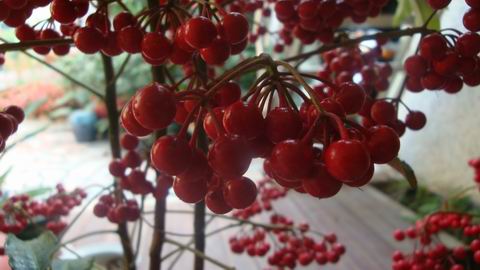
{"points": [[439, 153]]}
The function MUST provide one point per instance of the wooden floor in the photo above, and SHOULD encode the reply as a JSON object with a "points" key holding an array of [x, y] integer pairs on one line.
{"points": [[363, 220]]}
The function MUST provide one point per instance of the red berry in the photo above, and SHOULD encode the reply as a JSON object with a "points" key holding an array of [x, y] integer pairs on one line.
{"points": [[438, 4], [198, 168], [365, 179], [130, 39], [100, 210], [383, 144], [244, 120], [156, 46], [122, 20], [240, 193], [16, 4], [476, 256], [216, 53], [200, 32], [238, 48], [415, 66], [171, 155], [292, 160], [415, 120], [130, 123], [433, 81], [129, 142], [228, 94], [190, 192], [88, 40], [383, 112], [282, 123], [235, 27], [448, 65], [209, 124], [216, 202], [63, 11], [154, 106], [468, 44], [433, 47], [16, 112], [24, 32], [347, 160], [117, 168], [453, 85], [132, 159], [473, 3], [321, 184], [351, 96], [285, 9], [399, 235], [229, 156], [471, 20]]}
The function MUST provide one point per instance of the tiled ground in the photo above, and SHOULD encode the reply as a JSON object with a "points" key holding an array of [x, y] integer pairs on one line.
{"points": [[54, 156]]}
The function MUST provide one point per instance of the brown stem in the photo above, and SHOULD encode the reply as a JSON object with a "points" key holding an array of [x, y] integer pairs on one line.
{"points": [[158, 235], [22, 45], [113, 130], [346, 43], [199, 231], [199, 213]]}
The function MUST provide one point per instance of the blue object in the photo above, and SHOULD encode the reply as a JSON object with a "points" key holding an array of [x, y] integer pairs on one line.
{"points": [[84, 125]]}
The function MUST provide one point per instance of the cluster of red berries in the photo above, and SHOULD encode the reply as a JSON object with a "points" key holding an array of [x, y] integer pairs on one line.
{"points": [[430, 252], [268, 192], [117, 211], [15, 13], [312, 20], [341, 65], [441, 64], [292, 246], [475, 164], [471, 19], [20, 211], [447, 60], [185, 36], [131, 178], [10, 118]]}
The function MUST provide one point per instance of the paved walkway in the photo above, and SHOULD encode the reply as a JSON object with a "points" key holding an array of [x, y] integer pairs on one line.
{"points": [[53, 156]]}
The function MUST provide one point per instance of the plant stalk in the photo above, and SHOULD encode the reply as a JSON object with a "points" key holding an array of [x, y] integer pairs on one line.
{"points": [[113, 133]]}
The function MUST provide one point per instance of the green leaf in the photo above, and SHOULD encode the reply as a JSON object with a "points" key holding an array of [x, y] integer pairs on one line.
{"points": [[34, 254], [422, 11], [38, 191], [79, 264], [403, 11], [405, 169], [3, 177], [419, 10]]}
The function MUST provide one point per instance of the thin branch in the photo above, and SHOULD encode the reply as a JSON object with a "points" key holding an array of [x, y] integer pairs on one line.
{"points": [[114, 139], [90, 234], [349, 42], [121, 69], [23, 45], [199, 254], [82, 211], [64, 74]]}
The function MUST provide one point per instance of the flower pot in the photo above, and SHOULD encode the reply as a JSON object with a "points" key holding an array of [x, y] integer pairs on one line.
{"points": [[84, 125]]}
